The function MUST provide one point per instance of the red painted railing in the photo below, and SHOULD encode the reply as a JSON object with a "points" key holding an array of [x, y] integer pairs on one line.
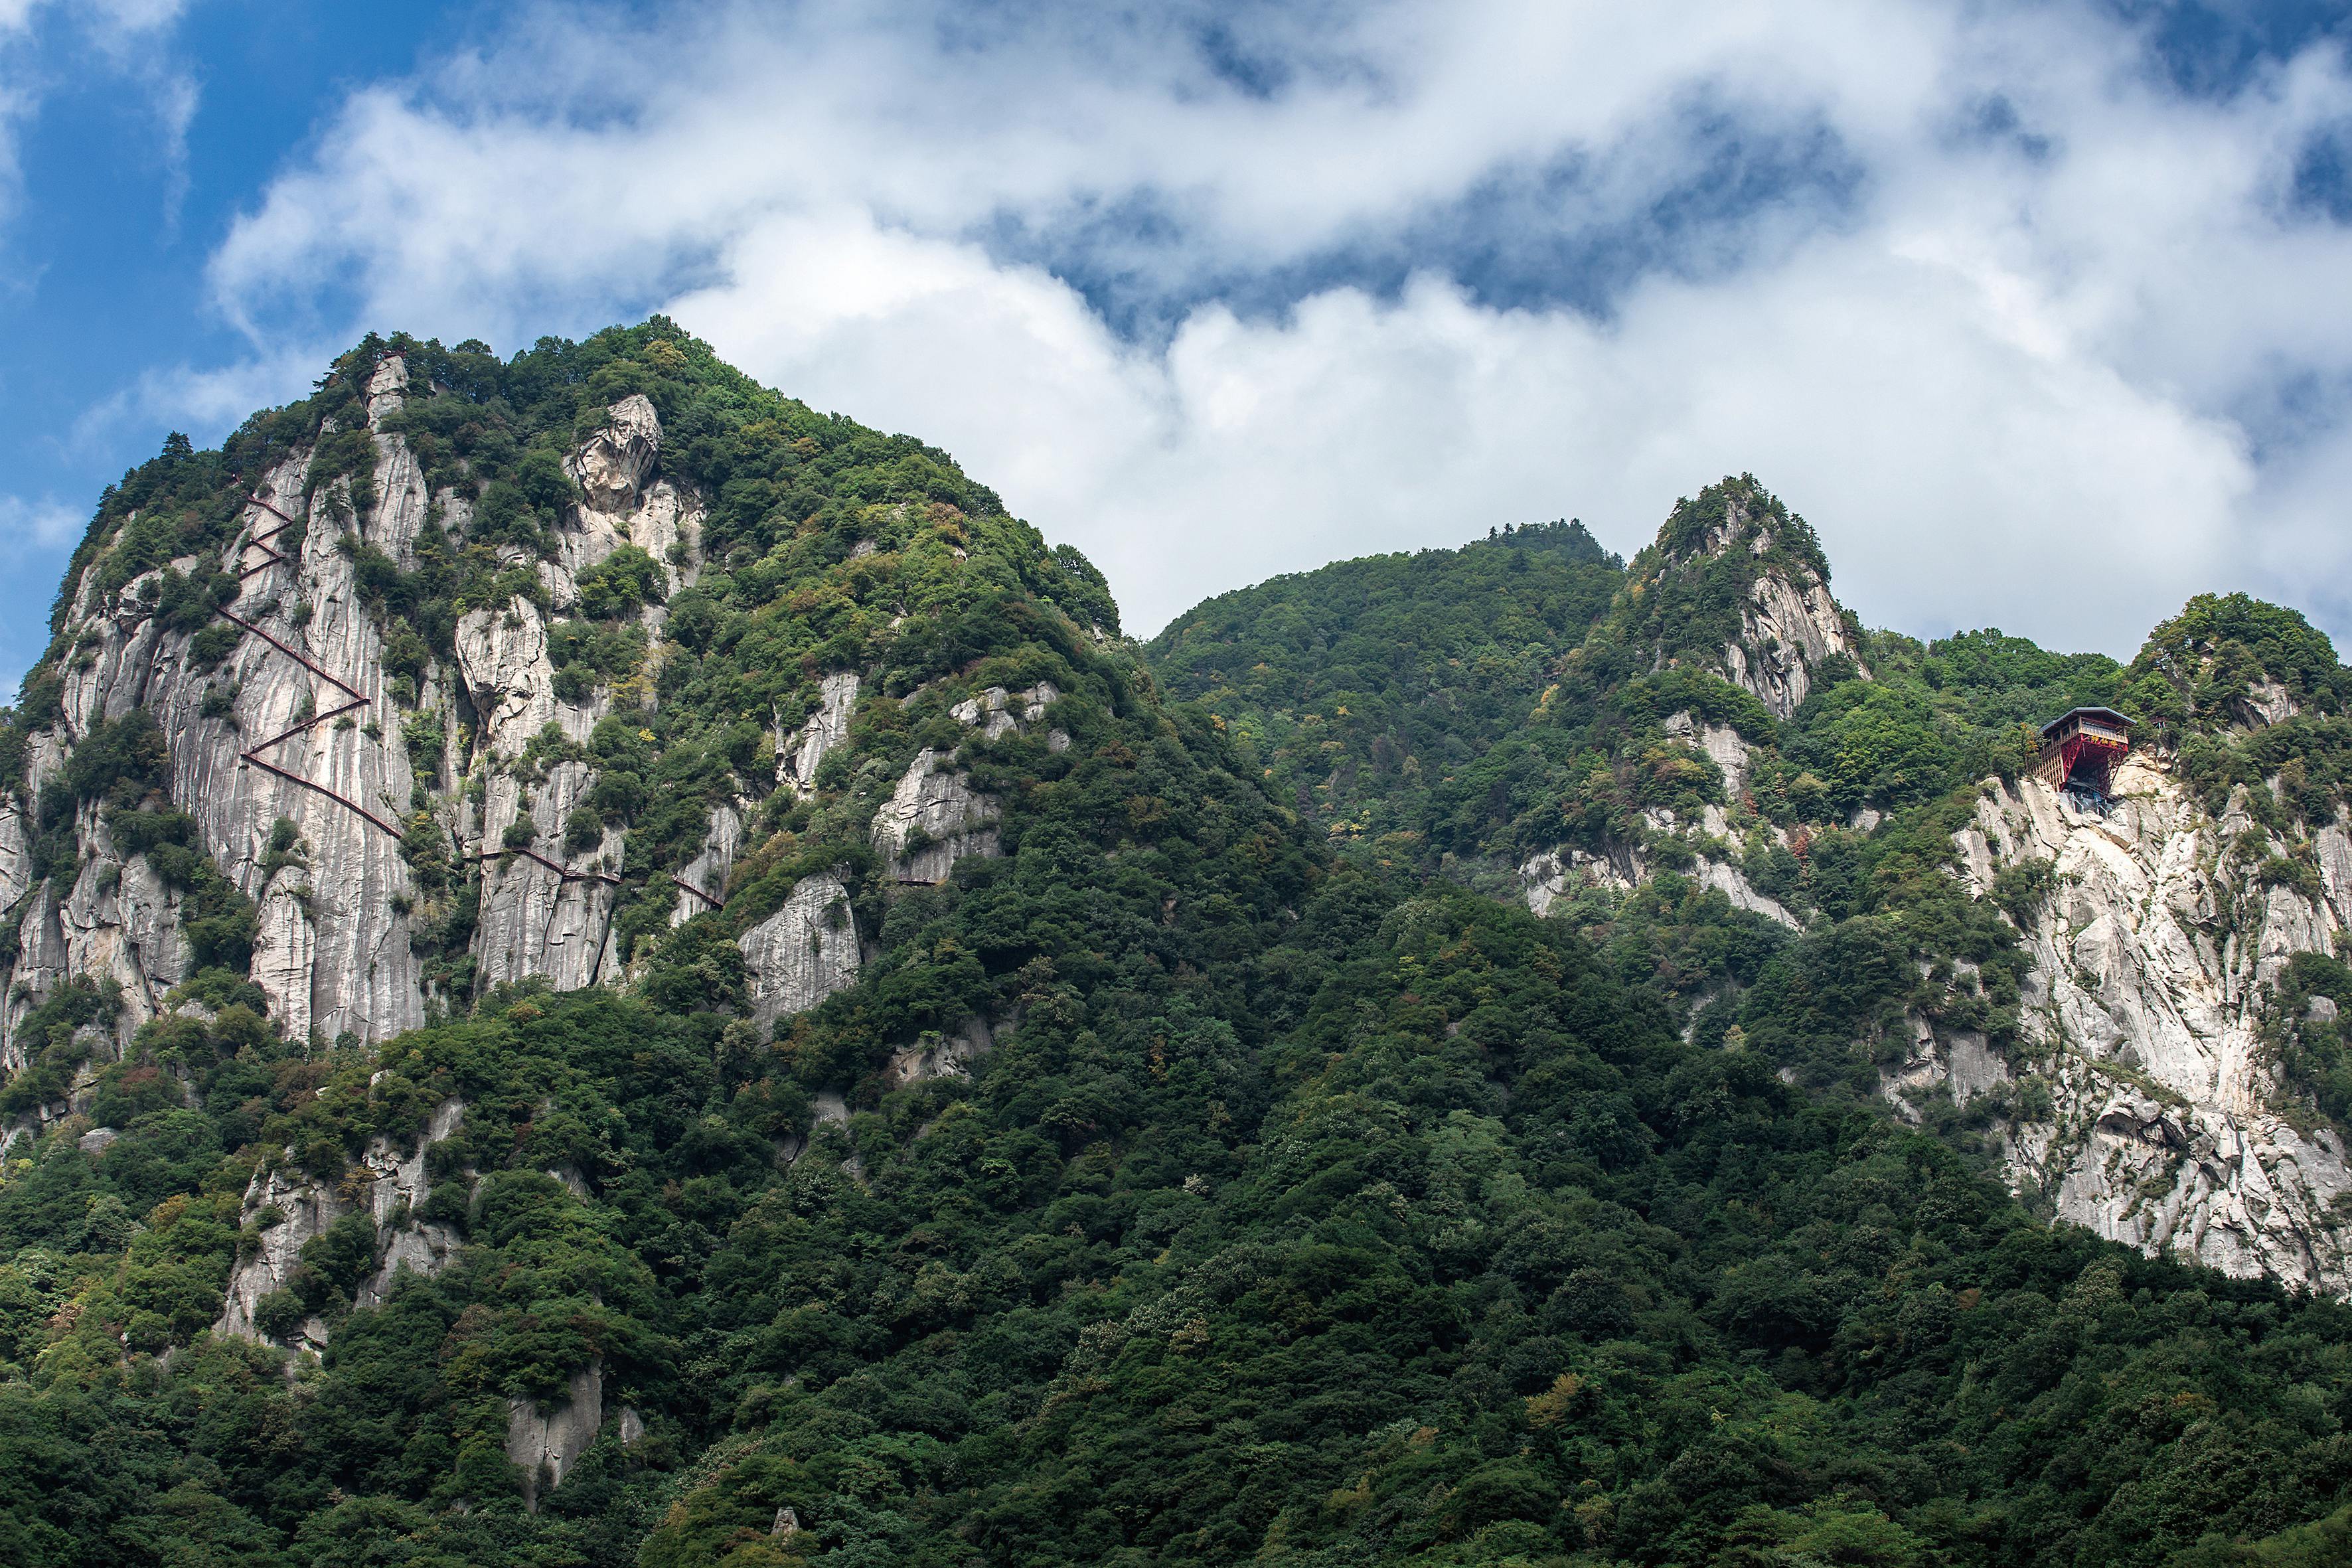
{"points": [[560, 869]]}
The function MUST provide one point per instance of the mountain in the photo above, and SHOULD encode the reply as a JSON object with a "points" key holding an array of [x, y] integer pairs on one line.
{"points": [[2122, 999], [606, 969], [1383, 699]]}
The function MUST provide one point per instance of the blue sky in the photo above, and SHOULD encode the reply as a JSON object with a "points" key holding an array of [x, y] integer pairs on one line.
{"points": [[2008, 301], [139, 133]]}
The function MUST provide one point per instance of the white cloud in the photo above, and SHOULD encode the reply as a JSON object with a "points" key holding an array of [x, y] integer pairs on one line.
{"points": [[1895, 399], [215, 400], [35, 526], [2026, 376]]}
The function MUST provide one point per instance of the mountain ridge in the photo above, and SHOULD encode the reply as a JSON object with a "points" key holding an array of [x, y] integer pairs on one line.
{"points": [[823, 1055]]}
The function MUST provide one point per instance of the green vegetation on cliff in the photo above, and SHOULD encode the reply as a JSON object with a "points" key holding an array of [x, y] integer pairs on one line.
{"points": [[1307, 1207]]}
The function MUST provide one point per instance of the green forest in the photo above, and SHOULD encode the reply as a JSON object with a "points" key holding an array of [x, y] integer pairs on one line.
{"points": [[1317, 1205]]}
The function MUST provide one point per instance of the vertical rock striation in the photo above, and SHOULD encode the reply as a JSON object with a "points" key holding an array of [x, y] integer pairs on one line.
{"points": [[803, 952], [288, 1209], [2152, 961]]}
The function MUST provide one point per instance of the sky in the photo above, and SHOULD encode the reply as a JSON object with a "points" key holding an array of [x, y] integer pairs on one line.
{"points": [[2038, 313]]}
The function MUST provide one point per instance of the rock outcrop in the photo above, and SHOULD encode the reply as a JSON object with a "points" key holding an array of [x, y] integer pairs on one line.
{"points": [[1788, 622], [292, 752], [941, 1055], [307, 735], [1550, 874], [2164, 1125], [623, 500], [1788, 627], [932, 819], [996, 712], [547, 906], [502, 656], [803, 952], [118, 921], [287, 1209], [548, 1442], [797, 755], [704, 878]]}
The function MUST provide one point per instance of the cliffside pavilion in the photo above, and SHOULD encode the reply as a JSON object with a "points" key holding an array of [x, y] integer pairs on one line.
{"points": [[2081, 748]]}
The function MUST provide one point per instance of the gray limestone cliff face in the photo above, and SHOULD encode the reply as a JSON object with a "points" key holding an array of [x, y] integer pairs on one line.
{"points": [[546, 901], [803, 952], [1723, 745], [509, 678], [548, 1442], [333, 953], [302, 722], [548, 897], [290, 1209], [934, 817], [121, 921], [547, 907], [2166, 1128], [798, 754], [1789, 624], [706, 874], [624, 501], [16, 854], [611, 465]]}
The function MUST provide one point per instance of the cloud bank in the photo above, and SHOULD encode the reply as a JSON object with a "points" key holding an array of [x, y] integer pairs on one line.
{"points": [[2035, 334]]}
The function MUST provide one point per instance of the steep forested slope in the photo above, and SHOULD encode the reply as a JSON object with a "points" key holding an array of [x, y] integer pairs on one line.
{"points": [[1826, 844], [1382, 698], [820, 1060]]}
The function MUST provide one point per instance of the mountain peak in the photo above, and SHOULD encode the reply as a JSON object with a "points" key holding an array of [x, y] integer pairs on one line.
{"points": [[1737, 515], [1737, 583]]}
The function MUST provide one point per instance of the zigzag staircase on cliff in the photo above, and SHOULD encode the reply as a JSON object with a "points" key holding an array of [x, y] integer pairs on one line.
{"points": [[358, 699]]}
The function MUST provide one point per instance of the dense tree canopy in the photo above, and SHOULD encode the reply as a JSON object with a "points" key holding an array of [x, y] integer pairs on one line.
{"points": [[1311, 1206]]}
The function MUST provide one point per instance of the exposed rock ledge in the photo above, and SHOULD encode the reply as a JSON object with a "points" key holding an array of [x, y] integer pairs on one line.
{"points": [[1548, 877], [1785, 628], [934, 817], [2165, 1127], [797, 755], [803, 952], [549, 1442]]}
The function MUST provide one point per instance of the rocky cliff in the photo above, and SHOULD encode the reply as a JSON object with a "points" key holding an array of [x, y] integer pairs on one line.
{"points": [[316, 774], [425, 720], [413, 820], [2143, 1098], [2141, 1093], [1734, 588], [1738, 585], [2145, 1102]]}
